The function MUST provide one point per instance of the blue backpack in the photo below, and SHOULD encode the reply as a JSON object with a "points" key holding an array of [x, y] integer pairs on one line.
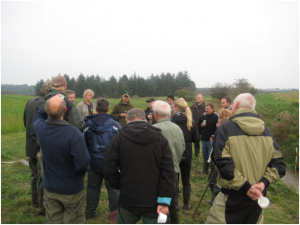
{"points": [[97, 140]]}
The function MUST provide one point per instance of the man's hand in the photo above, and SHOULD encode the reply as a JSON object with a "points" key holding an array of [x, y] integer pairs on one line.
{"points": [[260, 186], [203, 124], [150, 116], [217, 125], [254, 194], [163, 209], [123, 114]]}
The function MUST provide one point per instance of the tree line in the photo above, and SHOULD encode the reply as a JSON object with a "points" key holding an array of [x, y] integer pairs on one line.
{"points": [[154, 85]]}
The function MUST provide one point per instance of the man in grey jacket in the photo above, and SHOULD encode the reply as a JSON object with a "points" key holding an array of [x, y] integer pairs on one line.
{"points": [[174, 135]]}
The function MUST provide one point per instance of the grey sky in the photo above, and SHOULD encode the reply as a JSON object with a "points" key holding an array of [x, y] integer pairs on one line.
{"points": [[215, 41]]}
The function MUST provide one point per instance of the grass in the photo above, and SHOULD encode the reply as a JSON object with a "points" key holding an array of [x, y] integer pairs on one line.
{"points": [[16, 200], [15, 178]]}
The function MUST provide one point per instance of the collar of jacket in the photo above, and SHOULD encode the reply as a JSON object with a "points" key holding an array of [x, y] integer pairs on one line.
{"points": [[121, 102], [163, 120], [196, 105], [57, 122], [136, 122], [244, 110]]}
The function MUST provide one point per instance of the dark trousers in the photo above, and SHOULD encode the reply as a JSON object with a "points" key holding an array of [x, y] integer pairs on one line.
{"points": [[93, 194], [185, 168], [33, 182], [127, 217], [174, 202], [215, 189]]}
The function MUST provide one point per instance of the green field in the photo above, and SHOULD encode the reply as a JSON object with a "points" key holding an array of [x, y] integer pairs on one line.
{"points": [[15, 177]]}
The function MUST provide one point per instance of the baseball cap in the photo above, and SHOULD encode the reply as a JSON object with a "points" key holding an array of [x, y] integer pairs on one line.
{"points": [[59, 81], [126, 93], [151, 100]]}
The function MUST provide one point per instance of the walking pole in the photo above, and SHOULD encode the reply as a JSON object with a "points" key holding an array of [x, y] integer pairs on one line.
{"points": [[296, 158], [204, 192]]}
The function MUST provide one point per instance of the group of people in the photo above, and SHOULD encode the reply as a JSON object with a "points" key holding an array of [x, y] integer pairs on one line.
{"points": [[141, 153]]}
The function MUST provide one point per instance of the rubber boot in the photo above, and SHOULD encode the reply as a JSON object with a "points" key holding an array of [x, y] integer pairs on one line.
{"points": [[34, 199], [197, 150], [174, 215], [205, 167], [186, 197]]}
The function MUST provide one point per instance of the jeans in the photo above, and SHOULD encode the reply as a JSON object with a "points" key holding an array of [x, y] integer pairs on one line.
{"points": [[185, 168], [206, 147], [93, 194]]}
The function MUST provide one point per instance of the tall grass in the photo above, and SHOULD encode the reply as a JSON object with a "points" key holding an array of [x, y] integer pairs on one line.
{"points": [[280, 112]]}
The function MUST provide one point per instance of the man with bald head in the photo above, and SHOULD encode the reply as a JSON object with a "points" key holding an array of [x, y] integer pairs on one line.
{"points": [[248, 160], [65, 161]]}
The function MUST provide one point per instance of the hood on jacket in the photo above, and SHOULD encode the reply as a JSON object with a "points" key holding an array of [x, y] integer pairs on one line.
{"points": [[54, 92], [249, 121], [139, 131], [179, 118], [99, 123]]}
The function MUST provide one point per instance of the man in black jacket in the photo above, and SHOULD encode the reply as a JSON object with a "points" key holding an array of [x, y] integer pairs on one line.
{"points": [[32, 147], [146, 177], [197, 110], [207, 126], [149, 112]]}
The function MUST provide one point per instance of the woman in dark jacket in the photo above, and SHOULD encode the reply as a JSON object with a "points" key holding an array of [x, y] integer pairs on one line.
{"points": [[183, 118]]}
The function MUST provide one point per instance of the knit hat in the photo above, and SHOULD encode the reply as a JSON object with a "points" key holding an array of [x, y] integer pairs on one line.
{"points": [[171, 96], [126, 93]]}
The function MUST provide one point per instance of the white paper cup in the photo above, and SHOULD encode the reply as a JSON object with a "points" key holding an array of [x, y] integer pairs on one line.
{"points": [[263, 202], [162, 218]]}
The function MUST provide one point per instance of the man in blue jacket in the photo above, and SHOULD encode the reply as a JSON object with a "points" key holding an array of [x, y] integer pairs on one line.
{"points": [[66, 160], [98, 130]]}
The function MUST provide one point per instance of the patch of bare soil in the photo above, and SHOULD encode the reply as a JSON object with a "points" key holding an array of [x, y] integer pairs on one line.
{"points": [[292, 178]]}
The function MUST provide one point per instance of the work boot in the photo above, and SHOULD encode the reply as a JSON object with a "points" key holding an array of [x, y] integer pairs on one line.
{"points": [[186, 197], [173, 215], [205, 167], [197, 150], [34, 199], [42, 210]]}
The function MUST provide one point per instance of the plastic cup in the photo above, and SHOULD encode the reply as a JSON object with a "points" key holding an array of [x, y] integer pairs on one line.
{"points": [[162, 218], [263, 202]]}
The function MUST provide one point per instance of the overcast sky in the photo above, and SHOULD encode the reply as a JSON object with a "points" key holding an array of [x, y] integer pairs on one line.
{"points": [[215, 41]]}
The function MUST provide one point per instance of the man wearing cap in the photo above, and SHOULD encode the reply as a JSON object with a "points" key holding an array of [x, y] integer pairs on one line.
{"points": [[170, 100], [32, 148], [120, 110], [149, 111], [59, 86]]}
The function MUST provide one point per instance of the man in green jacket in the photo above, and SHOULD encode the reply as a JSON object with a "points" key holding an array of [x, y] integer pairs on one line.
{"points": [[120, 110], [174, 135], [248, 160], [72, 115]]}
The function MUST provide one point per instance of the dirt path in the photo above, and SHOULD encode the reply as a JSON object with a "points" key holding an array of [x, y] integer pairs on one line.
{"points": [[292, 178]]}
